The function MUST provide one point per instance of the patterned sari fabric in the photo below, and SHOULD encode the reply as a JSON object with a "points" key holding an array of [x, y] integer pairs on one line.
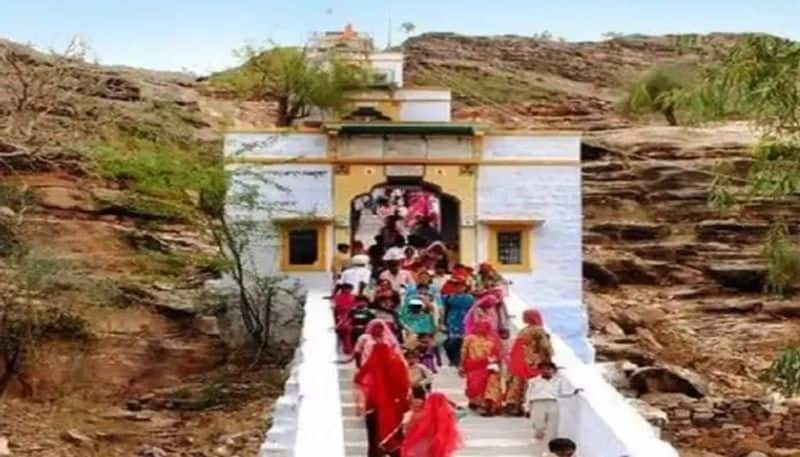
{"points": [[480, 360], [531, 347], [433, 431]]}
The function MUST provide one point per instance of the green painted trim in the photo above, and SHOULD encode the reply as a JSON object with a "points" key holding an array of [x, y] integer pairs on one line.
{"points": [[452, 128]]}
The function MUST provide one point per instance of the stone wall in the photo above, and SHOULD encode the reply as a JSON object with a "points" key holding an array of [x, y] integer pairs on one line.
{"points": [[715, 421]]}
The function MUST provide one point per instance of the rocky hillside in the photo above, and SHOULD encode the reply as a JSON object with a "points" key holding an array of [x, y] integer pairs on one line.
{"points": [[534, 83], [676, 286], [673, 288], [125, 357]]}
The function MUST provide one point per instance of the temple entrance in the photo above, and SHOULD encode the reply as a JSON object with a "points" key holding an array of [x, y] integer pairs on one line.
{"points": [[404, 212]]}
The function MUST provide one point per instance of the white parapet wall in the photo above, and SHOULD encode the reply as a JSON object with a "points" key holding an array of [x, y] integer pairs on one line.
{"points": [[600, 420], [307, 419]]}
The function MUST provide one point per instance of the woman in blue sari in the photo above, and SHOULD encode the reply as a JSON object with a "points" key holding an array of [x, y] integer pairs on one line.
{"points": [[456, 307]]}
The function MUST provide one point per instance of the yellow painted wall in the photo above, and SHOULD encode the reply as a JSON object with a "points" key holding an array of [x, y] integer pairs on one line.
{"points": [[359, 179], [463, 186]]}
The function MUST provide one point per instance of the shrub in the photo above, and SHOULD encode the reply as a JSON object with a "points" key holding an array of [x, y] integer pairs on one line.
{"points": [[784, 373], [161, 179], [783, 260], [655, 91]]}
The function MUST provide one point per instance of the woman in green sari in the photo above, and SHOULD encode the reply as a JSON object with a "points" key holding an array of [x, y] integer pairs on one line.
{"points": [[418, 317]]}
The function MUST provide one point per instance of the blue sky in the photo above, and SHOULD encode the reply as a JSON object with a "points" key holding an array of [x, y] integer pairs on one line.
{"points": [[199, 35]]}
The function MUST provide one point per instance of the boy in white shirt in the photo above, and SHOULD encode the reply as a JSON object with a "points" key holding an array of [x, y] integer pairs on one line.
{"points": [[561, 447], [541, 401]]}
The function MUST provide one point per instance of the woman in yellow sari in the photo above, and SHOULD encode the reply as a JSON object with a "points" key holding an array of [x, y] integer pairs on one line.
{"points": [[480, 364]]}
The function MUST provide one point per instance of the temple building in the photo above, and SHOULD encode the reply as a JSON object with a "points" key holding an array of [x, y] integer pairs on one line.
{"points": [[396, 162], [394, 169]]}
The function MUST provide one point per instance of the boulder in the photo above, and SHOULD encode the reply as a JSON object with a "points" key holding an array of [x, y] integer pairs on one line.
{"points": [[612, 351], [66, 198], [613, 329], [629, 320], [734, 306], [617, 373], [631, 231], [669, 378], [741, 276], [632, 270], [77, 438], [786, 308], [6, 212], [207, 325], [150, 451], [599, 274], [730, 231], [688, 293]]}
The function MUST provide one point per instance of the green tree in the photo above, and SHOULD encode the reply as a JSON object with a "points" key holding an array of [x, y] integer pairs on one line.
{"points": [[655, 90], [759, 79], [293, 79], [408, 27]]}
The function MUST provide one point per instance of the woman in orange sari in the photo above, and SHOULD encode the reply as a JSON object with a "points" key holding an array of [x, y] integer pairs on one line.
{"points": [[531, 347], [383, 387], [480, 364]]}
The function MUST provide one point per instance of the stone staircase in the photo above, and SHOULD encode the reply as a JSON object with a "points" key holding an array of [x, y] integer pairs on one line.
{"points": [[483, 436]]}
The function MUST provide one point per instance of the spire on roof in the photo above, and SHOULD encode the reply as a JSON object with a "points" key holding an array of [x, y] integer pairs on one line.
{"points": [[348, 33]]}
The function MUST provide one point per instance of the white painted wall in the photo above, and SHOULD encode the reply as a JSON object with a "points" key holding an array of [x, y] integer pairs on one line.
{"points": [[278, 144], [292, 190], [552, 194], [532, 146], [390, 63], [424, 105]]}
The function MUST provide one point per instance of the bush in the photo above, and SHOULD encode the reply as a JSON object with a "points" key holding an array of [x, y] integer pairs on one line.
{"points": [[8, 238], [656, 90], [784, 373], [162, 179], [783, 260]]}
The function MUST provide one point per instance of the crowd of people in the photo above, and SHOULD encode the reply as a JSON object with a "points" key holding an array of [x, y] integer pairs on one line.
{"points": [[402, 318]]}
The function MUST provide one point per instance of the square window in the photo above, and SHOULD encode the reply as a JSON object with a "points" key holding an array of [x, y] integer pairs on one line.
{"points": [[303, 249], [302, 246], [509, 248]]}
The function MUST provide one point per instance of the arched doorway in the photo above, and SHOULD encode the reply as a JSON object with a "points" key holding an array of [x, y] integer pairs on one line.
{"points": [[420, 212]]}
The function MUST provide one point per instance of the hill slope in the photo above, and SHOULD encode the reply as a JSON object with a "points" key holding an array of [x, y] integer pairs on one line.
{"points": [[533, 83], [659, 270]]}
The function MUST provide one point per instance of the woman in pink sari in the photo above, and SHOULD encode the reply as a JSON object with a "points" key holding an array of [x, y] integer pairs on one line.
{"points": [[377, 331], [481, 355], [484, 309]]}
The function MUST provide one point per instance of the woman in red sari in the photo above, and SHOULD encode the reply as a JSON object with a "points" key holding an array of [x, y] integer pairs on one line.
{"points": [[481, 354], [531, 347], [433, 431], [383, 387]]}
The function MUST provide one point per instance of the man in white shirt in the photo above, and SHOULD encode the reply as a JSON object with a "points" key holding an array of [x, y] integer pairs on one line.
{"points": [[541, 401], [358, 275], [398, 277]]}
